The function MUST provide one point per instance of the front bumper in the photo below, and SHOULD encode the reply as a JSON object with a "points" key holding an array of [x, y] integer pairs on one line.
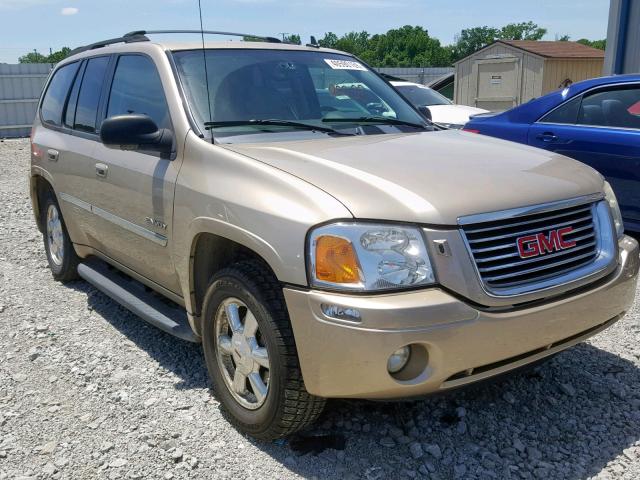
{"points": [[463, 344]]}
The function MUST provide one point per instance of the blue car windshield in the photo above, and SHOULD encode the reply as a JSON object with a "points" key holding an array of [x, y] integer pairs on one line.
{"points": [[295, 86]]}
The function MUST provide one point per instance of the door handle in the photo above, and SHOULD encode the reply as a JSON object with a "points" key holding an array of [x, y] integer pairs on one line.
{"points": [[52, 155], [547, 137], [101, 170]]}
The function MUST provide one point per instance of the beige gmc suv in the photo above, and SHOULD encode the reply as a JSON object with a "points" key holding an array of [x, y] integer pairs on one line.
{"points": [[319, 244]]}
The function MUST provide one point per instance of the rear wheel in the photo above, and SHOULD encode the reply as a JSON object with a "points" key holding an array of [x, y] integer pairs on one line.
{"points": [[251, 355], [61, 256]]}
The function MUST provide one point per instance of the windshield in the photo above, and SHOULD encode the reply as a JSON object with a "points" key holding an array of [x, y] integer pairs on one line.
{"points": [[314, 88], [422, 96]]}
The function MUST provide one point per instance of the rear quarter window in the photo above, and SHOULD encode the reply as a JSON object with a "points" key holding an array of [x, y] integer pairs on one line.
{"points": [[565, 114], [56, 94]]}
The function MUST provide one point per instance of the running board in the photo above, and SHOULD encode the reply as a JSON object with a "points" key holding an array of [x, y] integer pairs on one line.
{"points": [[134, 296]]}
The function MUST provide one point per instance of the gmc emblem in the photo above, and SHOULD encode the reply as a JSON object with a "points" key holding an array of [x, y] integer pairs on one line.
{"points": [[541, 244]]}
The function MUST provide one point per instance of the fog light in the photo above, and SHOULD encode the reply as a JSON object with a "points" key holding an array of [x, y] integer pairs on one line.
{"points": [[398, 359]]}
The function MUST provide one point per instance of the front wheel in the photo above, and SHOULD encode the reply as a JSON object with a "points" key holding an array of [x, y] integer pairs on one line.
{"points": [[251, 354]]}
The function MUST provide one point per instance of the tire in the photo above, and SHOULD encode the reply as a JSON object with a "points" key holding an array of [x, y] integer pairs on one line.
{"points": [[61, 256], [250, 288]]}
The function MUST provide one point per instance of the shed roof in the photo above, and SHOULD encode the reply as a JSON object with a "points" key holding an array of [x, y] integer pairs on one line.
{"points": [[556, 49]]}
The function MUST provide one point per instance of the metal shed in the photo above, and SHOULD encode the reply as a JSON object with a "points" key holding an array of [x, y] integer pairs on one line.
{"points": [[510, 72], [20, 87]]}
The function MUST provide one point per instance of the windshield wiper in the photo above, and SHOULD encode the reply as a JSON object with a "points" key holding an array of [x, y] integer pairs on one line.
{"points": [[383, 120], [272, 122]]}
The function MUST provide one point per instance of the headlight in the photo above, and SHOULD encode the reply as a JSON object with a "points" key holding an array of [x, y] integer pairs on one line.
{"points": [[610, 197], [366, 256]]}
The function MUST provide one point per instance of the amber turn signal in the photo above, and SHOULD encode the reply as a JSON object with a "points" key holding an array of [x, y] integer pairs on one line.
{"points": [[336, 260]]}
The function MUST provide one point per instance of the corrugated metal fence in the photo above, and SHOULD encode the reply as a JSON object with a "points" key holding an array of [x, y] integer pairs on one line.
{"points": [[424, 75], [20, 87]]}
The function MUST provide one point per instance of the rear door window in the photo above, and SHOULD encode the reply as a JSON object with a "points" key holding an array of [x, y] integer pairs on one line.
{"points": [[89, 97], [57, 92], [137, 88], [614, 107]]}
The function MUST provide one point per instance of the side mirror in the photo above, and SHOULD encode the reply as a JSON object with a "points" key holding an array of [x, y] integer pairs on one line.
{"points": [[425, 112], [135, 132]]}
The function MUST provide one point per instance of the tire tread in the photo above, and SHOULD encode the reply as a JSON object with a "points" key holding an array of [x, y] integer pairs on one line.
{"points": [[299, 408]]}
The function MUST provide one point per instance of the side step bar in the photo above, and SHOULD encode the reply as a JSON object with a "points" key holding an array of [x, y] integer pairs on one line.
{"points": [[134, 296]]}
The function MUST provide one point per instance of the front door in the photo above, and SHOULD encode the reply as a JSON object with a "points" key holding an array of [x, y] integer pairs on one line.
{"points": [[133, 199]]}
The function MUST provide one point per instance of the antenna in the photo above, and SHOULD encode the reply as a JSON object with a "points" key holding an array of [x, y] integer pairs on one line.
{"points": [[206, 73]]}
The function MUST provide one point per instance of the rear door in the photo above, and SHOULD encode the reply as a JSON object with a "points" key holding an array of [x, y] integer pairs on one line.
{"points": [[133, 198], [67, 152], [602, 129]]}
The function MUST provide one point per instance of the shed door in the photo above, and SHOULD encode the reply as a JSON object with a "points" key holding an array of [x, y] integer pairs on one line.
{"points": [[497, 83]]}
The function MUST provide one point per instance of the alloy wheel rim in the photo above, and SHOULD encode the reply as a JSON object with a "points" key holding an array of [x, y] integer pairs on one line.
{"points": [[55, 235], [242, 355]]}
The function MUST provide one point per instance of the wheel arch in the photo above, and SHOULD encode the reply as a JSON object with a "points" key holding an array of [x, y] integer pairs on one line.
{"points": [[213, 249], [39, 184]]}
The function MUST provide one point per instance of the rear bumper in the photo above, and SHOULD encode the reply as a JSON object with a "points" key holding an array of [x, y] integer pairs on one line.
{"points": [[463, 344]]}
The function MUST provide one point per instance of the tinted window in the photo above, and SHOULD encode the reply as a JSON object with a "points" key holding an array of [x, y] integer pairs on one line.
{"points": [[89, 98], [56, 95], [566, 113], [615, 107], [70, 111], [422, 96], [136, 88]]}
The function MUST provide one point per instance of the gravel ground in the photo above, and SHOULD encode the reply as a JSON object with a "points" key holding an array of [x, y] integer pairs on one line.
{"points": [[88, 390]]}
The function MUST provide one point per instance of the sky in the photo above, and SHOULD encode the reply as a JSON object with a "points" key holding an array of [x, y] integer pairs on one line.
{"points": [[43, 24]]}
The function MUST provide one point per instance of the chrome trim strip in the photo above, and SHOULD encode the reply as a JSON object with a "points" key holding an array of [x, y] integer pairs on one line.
{"points": [[542, 268], [585, 125], [527, 222], [526, 232], [121, 222], [530, 210], [75, 201]]}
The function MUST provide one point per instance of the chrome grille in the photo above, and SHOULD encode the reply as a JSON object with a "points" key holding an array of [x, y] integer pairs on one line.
{"points": [[493, 245]]}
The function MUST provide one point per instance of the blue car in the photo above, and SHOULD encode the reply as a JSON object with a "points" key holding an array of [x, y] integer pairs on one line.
{"points": [[596, 121]]}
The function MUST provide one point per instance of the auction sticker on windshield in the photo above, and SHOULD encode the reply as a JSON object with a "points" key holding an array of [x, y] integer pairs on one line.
{"points": [[344, 64]]}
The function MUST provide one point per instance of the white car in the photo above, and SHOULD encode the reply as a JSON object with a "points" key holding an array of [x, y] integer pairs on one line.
{"points": [[443, 111]]}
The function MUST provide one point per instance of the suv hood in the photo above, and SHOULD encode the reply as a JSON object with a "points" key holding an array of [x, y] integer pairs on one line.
{"points": [[428, 177]]}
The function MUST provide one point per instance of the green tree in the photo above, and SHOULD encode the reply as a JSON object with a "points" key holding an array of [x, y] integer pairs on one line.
{"points": [[58, 56], [408, 46], [293, 38], [601, 44], [470, 40], [473, 39], [54, 57], [33, 57], [329, 40], [522, 31]]}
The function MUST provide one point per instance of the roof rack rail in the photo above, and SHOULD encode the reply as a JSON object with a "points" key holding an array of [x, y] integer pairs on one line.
{"points": [[141, 36], [128, 38], [207, 32]]}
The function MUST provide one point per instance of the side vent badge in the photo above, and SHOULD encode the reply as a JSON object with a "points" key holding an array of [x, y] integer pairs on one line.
{"points": [[442, 247]]}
